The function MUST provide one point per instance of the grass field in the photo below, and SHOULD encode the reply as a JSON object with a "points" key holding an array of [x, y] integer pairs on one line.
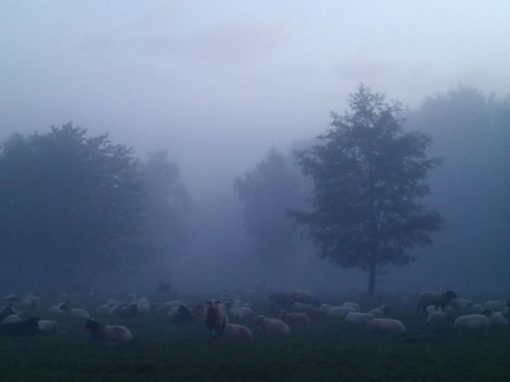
{"points": [[324, 351]]}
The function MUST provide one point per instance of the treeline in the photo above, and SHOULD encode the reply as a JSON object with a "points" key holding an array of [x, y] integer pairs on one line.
{"points": [[74, 206]]}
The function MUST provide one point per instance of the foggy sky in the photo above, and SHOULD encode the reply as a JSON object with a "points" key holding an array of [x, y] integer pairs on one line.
{"points": [[220, 82]]}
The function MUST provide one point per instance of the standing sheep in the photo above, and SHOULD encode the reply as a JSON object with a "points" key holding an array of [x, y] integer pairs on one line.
{"points": [[216, 317]]}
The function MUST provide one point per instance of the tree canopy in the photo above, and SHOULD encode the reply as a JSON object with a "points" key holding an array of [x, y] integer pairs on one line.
{"points": [[69, 204], [266, 193], [366, 206]]}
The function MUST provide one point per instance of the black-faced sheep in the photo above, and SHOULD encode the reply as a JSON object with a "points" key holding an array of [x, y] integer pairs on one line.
{"points": [[435, 299], [114, 333]]}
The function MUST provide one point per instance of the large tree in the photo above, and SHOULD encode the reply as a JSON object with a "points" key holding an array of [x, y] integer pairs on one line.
{"points": [[70, 205], [266, 192], [368, 176]]}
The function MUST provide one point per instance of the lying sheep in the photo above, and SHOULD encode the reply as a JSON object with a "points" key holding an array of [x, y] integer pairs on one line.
{"points": [[237, 332], [47, 327], [380, 312], [386, 325], [472, 321], [476, 309], [272, 326], [27, 327], [63, 309], [353, 305], [339, 312], [498, 319], [12, 318], [114, 333], [496, 305], [435, 317], [243, 312], [358, 318], [180, 314], [295, 318]]}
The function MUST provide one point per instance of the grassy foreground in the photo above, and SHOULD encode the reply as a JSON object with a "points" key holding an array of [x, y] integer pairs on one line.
{"points": [[325, 351]]}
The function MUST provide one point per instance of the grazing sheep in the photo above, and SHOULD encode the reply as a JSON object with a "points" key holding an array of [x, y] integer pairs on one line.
{"points": [[27, 327], [380, 312], [436, 299], [339, 312], [498, 319], [237, 332], [295, 318], [358, 318], [180, 314], [114, 333], [216, 317], [272, 326], [472, 321], [496, 305], [47, 327], [386, 325]]}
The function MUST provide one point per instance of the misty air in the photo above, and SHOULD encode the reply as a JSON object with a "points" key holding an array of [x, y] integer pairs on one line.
{"points": [[254, 190]]}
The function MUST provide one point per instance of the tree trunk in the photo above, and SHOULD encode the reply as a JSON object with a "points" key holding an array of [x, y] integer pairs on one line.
{"points": [[371, 282]]}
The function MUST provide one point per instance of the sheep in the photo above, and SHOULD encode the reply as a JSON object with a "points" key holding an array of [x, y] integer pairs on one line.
{"points": [[216, 317], [353, 305], [435, 317], [180, 314], [6, 312], [11, 319], [295, 318], [476, 309], [126, 310], [272, 326], [243, 313], [107, 309], [386, 325], [498, 319], [380, 312], [302, 296], [27, 327], [496, 305], [167, 306], [63, 309], [358, 318], [472, 321], [339, 312], [47, 327], [143, 305], [436, 299], [114, 333], [237, 332], [279, 301]]}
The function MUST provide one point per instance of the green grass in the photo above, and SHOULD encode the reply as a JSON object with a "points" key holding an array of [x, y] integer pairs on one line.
{"points": [[325, 351]]}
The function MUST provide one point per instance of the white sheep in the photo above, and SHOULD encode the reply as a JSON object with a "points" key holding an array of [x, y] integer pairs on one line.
{"points": [[339, 312], [243, 312], [353, 305], [237, 332], [273, 326], [472, 321], [47, 327], [386, 325], [293, 318], [143, 305], [436, 317], [476, 309], [11, 319], [358, 318], [498, 319], [496, 306], [379, 312]]}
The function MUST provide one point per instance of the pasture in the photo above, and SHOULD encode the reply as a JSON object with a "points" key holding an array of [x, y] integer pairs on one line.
{"points": [[324, 351]]}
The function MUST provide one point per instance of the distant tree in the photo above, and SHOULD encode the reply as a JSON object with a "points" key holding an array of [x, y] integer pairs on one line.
{"points": [[367, 178], [266, 192], [70, 205], [166, 206]]}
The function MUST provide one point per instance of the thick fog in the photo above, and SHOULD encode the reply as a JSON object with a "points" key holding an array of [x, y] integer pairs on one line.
{"points": [[217, 84]]}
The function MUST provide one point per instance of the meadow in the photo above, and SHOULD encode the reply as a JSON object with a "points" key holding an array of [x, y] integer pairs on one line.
{"points": [[324, 351]]}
